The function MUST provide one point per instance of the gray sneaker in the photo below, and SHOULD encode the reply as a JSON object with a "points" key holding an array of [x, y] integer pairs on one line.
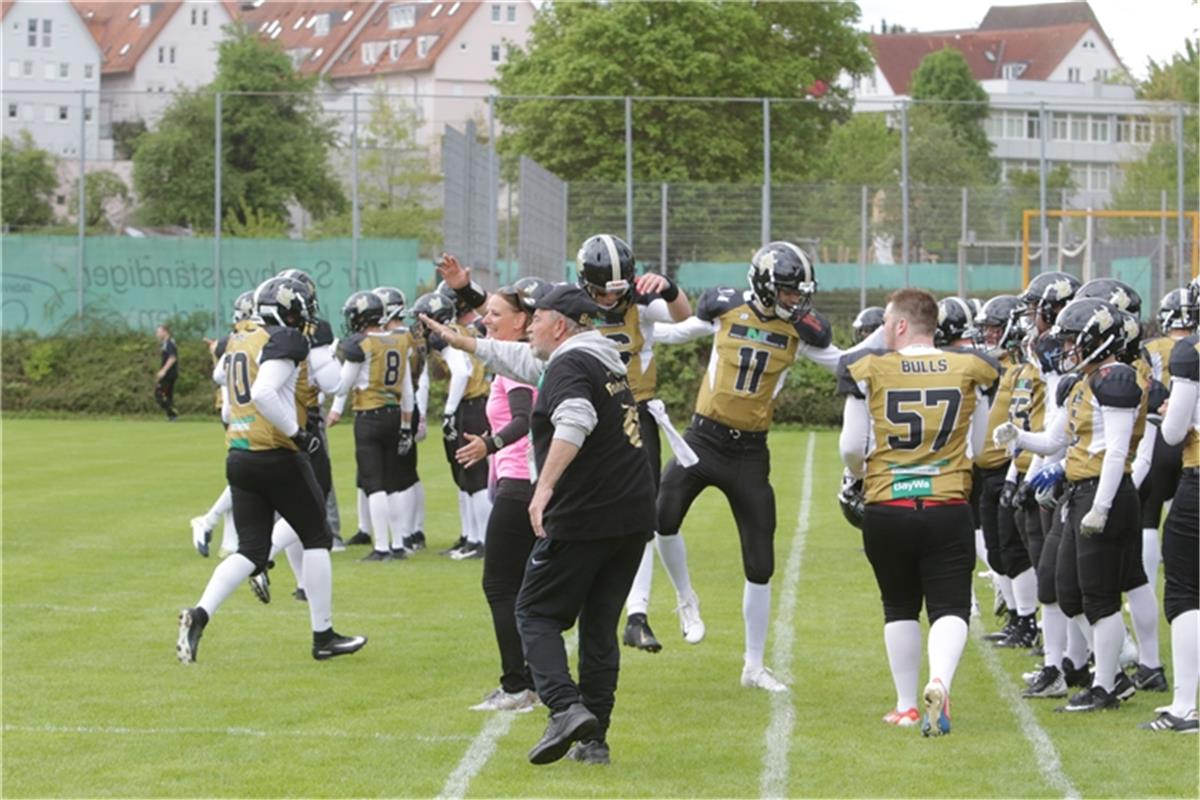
{"points": [[500, 700], [590, 751]]}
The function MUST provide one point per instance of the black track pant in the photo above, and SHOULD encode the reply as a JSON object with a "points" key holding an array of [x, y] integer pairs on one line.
{"points": [[471, 417], [164, 395], [509, 540], [1181, 548], [265, 482]]}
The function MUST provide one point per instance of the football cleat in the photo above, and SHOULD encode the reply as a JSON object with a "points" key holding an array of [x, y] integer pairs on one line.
{"points": [[937, 709], [415, 541], [191, 628], [1002, 634], [1047, 682], [1123, 687], [338, 545], [689, 618], [1150, 679], [468, 552], [1023, 633], [1167, 721], [300, 595], [903, 719], [761, 678], [377, 555], [1078, 678], [360, 537], [500, 700], [260, 584], [334, 644], [399, 554], [590, 751], [201, 536], [639, 635], [1094, 698], [454, 548]]}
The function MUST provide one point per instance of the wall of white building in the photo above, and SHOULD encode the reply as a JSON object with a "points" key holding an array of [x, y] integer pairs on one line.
{"points": [[1089, 60]]}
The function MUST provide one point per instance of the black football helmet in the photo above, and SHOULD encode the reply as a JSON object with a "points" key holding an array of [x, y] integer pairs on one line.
{"points": [[852, 500], [1090, 330], [528, 291], [782, 265], [362, 310], [605, 264], [282, 301], [309, 285], [459, 303], [998, 322], [1048, 293], [1118, 293], [434, 305], [867, 321], [1176, 312], [243, 307], [1131, 337], [956, 321], [393, 302]]}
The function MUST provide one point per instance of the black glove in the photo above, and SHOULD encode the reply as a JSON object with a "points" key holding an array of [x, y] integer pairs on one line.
{"points": [[1008, 495], [1026, 497], [449, 432], [405, 445], [305, 442]]}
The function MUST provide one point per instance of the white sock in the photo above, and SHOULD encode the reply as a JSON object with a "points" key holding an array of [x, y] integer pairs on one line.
{"points": [[318, 582], [947, 638], [1024, 589], [1143, 607], [481, 509], [1110, 635], [378, 504], [1185, 661], [673, 553], [1078, 645], [1054, 634], [398, 517], [638, 601], [756, 615], [980, 550], [229, 536], [225, 580], [223, 503], [464, 517], [364, 511], [419, 507], [1151, 554], [1004, 584], [284, 538], [903, 642]]}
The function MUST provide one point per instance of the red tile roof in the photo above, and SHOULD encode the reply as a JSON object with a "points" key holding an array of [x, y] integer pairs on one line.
{"points": [[440, 18], [295, 27], [118, 31]]}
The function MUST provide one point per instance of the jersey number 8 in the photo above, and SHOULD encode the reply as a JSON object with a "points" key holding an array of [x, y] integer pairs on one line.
{"points": [[391, 368]]}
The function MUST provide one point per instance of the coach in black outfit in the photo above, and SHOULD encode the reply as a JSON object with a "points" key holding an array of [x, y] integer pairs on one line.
{"points": [[592, 510]]}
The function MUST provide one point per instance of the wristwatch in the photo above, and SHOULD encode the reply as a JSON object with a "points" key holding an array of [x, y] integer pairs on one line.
{"points": [[495, 443]]}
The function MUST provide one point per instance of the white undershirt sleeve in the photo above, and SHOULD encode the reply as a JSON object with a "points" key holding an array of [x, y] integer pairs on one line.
{"points": [[1118, 429], [273, 394], [1181, 408], [1144, 455], [460, 375], [1048, 441], [855, 437], [685, 331]]}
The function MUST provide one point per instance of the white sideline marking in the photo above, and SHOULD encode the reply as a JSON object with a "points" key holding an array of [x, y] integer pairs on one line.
{"points": [[257, 733], [1048, 762], [774, 779]]}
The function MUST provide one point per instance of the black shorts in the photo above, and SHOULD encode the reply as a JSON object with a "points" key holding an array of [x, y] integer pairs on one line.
{"points": [[1181, 548], [741, 468], [923, 556], [264, 483], [1110, 562], [376, 436], [1162, 480], [470, 417]]}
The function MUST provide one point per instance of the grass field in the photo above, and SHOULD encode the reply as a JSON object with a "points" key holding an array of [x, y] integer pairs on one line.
{"points": [[97, 561]]}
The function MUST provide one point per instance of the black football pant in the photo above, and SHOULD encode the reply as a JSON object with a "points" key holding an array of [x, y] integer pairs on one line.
{"points": [[648, 427], [376, 436], [263, 483], [1007, 554], [1092, 571], [586, 581], [470, 417], [509, 540], [741, 469], [1162, 480], [1047, 563], [322, 469], [1181, 548]]}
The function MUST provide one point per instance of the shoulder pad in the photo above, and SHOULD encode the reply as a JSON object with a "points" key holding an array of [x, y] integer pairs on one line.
{"points": [[1157, 395], [322, 335], [436, 343], [991, 365], [847, 383], [1065, 384], [285, 343], [219, 350], [1185, 359], [1116, 386], [716, 301], [351, 349], [477, 328], [815, 330]]}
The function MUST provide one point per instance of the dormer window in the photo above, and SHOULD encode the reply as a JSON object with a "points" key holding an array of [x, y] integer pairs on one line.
{"points": [[396, 47], [1013, 70], [321, 25], [402, 17], [424, 43]]}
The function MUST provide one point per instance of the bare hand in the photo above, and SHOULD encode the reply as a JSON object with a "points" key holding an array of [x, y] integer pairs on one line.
{"points": [[471, 453], [537, 506], [332, 419], [212, 344], [1162, 410], [448, 334], [650, 283], [453, 273]]}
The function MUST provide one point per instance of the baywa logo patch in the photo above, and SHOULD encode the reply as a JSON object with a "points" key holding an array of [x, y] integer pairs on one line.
{"points": [[904, 486], [770, 339]]}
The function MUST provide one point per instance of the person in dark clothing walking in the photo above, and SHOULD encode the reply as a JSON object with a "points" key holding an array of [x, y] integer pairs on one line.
{"points": [[168, 371], [592, 510]]}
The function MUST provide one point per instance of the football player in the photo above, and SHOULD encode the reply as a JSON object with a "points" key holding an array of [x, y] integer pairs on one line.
{"points": [[867, 322], [912, 409], [269, 469]]}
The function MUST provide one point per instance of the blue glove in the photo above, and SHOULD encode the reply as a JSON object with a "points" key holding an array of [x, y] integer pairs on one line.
{"points": [[1048, 476]]}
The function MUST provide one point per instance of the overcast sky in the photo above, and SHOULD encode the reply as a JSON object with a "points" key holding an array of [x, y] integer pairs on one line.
{"points": [[1139, 29]]}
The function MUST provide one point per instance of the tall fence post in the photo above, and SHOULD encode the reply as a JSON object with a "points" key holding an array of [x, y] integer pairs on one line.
{"points": [[493, 187], [962, 247], [1159, 282], [662, 248], [1184, 275], [766, 185], [904, 186], [355, 220], [82, 203], [217, 213], [1044, 232], [862, 253], [629, 170]]}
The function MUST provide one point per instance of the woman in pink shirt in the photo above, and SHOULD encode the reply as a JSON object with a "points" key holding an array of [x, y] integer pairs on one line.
{"points": [[509, 535]]}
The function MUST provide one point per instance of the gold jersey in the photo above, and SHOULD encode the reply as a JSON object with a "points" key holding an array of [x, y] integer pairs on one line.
{"points": [[1156, 353], [631, 329], [921, 402], [245, 350], [307, 391], [384, 358], [1113, 386], [477, 384], [1027, 406], [1185, 365], [994, 456], [750, 357]]}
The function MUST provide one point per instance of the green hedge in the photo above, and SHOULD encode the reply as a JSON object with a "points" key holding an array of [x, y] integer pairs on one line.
{"points": [[102, 368]]}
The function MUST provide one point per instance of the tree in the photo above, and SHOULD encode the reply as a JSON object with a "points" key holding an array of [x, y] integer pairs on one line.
{"points": [[274, 143], [696, 49], [945, 79], [28, 179], [100, 189]]}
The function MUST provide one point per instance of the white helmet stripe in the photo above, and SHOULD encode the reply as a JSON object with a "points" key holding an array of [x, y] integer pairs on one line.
{"points": [[613, 258], [803, 260]]}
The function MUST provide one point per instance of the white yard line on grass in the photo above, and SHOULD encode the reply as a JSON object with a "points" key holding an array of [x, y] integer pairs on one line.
{"points": [[774, 779], [110, 730], [1048, 762]]}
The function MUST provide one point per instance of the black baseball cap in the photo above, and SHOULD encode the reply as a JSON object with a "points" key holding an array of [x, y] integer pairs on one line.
{"points": [[571, 301]]}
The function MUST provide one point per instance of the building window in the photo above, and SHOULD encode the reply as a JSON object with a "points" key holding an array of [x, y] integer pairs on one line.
{"points": [[1033, 125], [64, 70], [495, 13], [14, 69], [321, 25], [46, 32], [195, 13], [1059, 129], [1013, 71], [1099, 129], [1100, 178], [48, 114], [64, 112], [87, 71], [370, 52], [993, 126], [162, 54], [50, 70], [1079, 128], [204, 17], [32, 39], [424, 44], [1073, 75], [87, 113], [12, 110], [1163, 131], [27, 69], [396, 47], [1101, 76], [402, 17], [171, 54], [1088, 44], [495, 54], [512, 13]]}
